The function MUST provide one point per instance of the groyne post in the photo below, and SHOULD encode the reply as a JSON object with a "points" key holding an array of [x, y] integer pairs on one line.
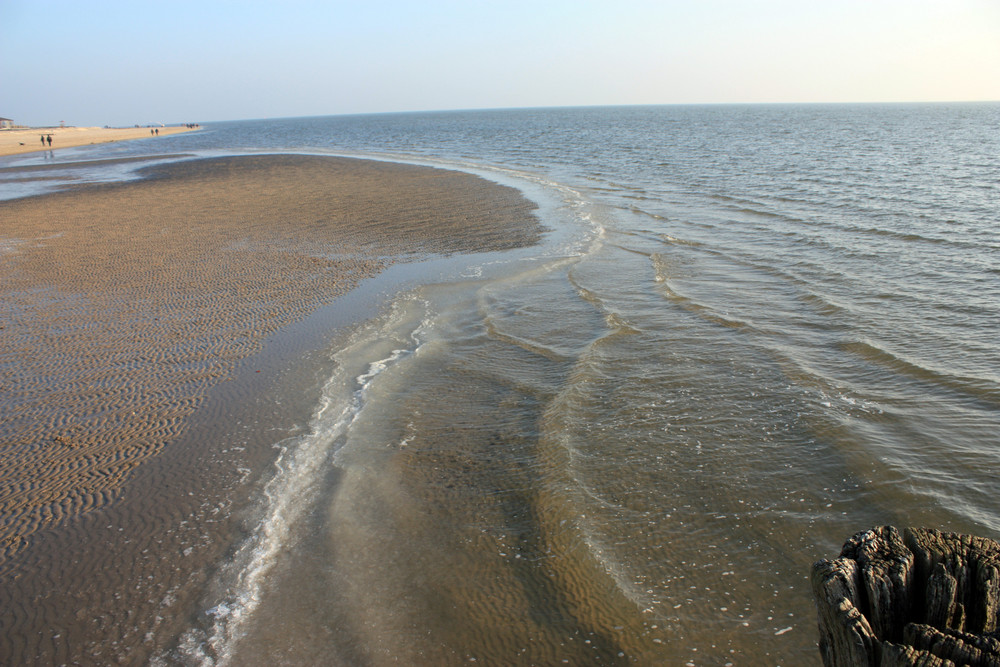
{"points": [[916, 597]]}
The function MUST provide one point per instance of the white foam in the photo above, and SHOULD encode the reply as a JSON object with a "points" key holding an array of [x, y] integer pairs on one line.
{"points": [[301, 463]]}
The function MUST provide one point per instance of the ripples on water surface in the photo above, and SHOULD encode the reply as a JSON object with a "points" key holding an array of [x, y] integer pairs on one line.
{"points": [[758, 331]]}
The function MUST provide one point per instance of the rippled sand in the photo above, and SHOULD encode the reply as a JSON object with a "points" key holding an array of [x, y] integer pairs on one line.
{"points": [[123, 305]]}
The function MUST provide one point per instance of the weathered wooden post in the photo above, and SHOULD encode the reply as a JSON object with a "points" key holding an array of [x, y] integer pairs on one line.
{"points": [[917, 598]]}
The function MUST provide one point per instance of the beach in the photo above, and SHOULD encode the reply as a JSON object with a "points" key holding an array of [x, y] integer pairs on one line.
{"points": [[704, 346], [134, 320], [28, 140]]}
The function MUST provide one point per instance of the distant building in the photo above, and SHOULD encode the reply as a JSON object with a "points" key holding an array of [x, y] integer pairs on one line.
{"points": [[6, 123]]}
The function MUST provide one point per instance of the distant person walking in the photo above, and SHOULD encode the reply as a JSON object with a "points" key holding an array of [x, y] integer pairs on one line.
{"points": [[43, 140], [49, 138]]}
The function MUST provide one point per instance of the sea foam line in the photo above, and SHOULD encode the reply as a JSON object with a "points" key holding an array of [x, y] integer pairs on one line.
{"points": [[301, 462]]}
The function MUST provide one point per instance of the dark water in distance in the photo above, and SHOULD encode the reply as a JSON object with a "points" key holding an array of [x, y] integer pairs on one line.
{"points": [[753, 332]]}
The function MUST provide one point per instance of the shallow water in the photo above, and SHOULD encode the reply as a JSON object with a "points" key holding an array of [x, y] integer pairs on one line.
{"points": [[752, 332]]}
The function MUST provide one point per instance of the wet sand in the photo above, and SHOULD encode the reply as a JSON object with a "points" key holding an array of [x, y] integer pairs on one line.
{"points": [[14, 142], [154, 344]]}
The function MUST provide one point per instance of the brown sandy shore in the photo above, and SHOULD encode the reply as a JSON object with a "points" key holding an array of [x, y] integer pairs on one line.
{"points": [[148, 354], [13, 142]]}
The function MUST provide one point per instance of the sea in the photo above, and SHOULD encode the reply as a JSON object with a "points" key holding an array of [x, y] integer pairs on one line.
{"points": [[750, 332]]}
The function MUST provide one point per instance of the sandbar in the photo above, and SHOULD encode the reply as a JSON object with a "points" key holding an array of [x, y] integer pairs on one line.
{"points": [[16, 141], [122, 306]]}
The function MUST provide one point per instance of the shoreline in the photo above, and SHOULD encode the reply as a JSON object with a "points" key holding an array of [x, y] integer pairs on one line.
{"points": [[26, 140], [136, 451]]}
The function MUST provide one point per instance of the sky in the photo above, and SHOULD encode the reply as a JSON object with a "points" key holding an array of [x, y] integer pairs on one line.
{"points": [[105, 62]]}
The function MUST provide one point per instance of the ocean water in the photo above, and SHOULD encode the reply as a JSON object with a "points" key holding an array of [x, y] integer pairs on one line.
{"points": [[751, 332]]}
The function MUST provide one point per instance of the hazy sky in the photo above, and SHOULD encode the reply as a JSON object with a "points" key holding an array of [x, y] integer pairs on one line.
{"points": [[121, 63]]}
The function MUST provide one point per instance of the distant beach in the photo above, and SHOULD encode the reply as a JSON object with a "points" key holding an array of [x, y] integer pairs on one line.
{"points": [[28, 140], [124, 305]]}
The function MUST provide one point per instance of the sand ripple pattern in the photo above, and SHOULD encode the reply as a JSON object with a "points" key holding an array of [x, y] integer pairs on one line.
{"points": [[121, 305]]}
